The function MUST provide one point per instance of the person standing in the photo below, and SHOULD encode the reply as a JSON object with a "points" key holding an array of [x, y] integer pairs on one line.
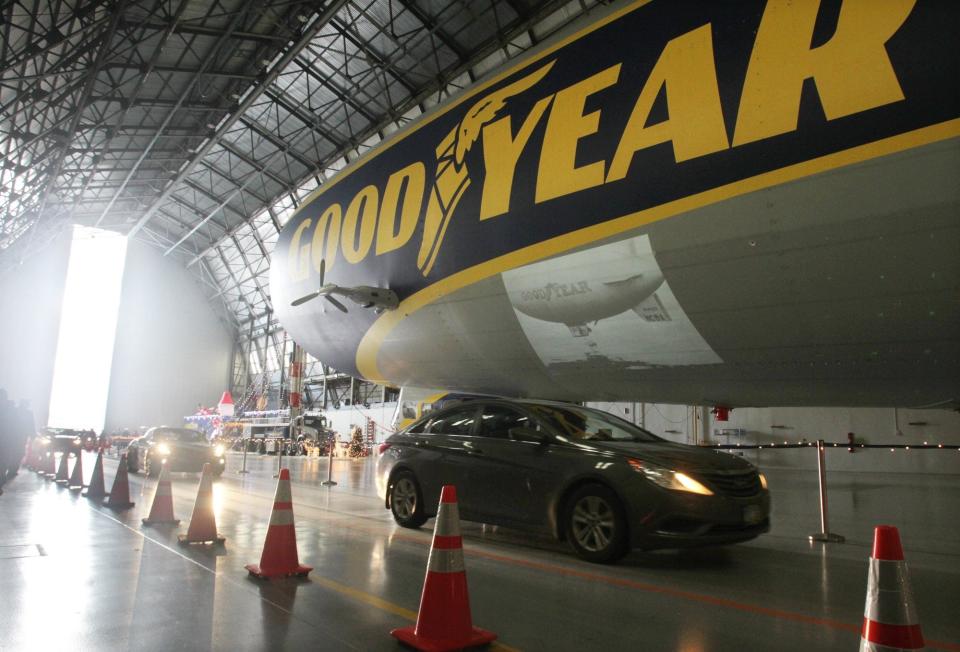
{"points": [[23, 429], [6, 435]]}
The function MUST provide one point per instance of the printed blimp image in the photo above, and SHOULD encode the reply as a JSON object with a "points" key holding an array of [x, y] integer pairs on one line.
{"points": [[610, 302]]}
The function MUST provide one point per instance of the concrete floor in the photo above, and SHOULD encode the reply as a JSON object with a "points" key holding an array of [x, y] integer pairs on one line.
{"points": [[79, 577]]}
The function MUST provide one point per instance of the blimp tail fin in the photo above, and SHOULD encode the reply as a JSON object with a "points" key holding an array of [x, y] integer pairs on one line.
{"points": [[651, 309]]}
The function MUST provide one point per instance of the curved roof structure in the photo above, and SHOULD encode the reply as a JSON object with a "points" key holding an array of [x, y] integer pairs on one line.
{"points": [[198, 125]]}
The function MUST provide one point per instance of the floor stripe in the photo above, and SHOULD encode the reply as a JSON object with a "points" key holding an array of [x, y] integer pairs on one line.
{"points": [[343, 589], [425, 540], [701, 598]]}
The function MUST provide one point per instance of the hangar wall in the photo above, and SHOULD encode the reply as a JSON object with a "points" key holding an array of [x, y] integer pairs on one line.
{"points": [[171, 351], [776, 425], [30, 302]]}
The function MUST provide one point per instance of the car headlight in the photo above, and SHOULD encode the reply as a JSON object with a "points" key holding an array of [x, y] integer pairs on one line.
{"points": [[668, 478], [219, 450], [163, 449], [763, 480]]}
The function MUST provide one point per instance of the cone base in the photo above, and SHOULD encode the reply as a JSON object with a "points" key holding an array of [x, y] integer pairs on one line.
{"points": [[62, 483], [474, 638], [94, 495], [184, 541], [157, 521], [118, 505], [76, 487], [298, 571]]}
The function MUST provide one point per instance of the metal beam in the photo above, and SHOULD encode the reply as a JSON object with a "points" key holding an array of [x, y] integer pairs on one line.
{"points": [[185, 93], [320, 21]]}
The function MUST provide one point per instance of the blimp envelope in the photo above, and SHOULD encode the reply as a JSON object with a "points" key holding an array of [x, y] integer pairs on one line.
{"points": [[609, 302]]}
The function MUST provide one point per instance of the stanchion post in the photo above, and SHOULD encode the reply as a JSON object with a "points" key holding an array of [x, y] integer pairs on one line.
{"points": [[280, 447], [329, 481], [246, 444], [824, 535]]}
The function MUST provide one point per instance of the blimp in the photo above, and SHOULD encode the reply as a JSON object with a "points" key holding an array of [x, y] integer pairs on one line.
{"points": [[737, 204]]}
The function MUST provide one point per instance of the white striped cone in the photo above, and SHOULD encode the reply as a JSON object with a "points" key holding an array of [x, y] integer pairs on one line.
{"points": [[890, 621], [161, 512], [203, 522], [279, 557], [444, 622]]}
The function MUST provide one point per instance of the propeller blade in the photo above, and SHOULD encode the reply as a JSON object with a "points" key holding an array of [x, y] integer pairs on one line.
{"points": [[305, 298], [323, 268], [340, 306]]}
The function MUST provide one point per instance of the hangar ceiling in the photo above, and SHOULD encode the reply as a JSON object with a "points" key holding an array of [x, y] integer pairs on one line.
{"points": [[198, 125]]}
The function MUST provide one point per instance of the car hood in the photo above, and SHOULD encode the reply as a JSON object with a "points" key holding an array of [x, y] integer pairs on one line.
{"points": [[677, 456]]}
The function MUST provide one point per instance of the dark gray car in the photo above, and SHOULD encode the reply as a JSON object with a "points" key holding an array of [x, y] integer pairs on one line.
{"points": [[579, 474]]}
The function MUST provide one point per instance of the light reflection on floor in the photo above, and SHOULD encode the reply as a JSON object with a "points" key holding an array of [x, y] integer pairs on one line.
{"points": [[108, 583]]}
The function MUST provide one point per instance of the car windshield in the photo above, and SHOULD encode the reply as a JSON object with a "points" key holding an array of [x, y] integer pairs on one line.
{"points": [[179, 434], [586, 424]]}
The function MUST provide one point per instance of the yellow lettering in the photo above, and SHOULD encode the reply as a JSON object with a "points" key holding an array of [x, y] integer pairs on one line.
{"points": [[359, 225], [500, 154], [558, 174], [411, 180], [328, 230], [298, 256], [852, 70], [695, 124]]}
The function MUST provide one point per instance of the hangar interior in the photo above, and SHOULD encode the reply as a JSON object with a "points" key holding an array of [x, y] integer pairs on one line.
{"points": [[197, 129]]}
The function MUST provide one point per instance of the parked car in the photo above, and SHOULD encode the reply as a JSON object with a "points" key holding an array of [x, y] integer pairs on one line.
{"points": [[582, 475], [62, 440], [181, 449]]}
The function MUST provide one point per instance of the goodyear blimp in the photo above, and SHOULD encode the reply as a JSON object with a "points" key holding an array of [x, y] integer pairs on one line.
{"points": [[751, 203]]}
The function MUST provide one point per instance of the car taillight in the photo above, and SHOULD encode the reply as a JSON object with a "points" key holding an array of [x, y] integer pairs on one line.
{"points": [[383, 448]]}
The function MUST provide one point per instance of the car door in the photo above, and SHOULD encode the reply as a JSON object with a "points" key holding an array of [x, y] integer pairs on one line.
{"points": [[439, 453], [509, 473]]}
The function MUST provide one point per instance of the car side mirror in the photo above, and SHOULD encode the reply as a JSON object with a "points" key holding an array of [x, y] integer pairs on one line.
{"points": [[524, 433]]}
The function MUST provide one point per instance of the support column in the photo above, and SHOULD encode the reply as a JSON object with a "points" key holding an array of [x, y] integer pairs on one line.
{"points": [[705, 425], [295, 388]]}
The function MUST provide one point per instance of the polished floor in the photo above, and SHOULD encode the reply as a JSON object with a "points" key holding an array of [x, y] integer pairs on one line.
{"points": [[75, 576]]}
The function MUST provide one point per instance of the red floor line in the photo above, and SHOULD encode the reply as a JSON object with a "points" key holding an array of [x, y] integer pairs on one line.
{"points": [[646, 587], [654, 588]]}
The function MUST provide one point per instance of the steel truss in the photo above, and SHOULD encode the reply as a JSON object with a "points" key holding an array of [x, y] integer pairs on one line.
{"points": [[198, 126]]}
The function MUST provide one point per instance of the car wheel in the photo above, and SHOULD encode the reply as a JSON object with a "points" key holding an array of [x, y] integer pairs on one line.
{"points": [[595, 525], [132, 466], [150, 468], [406, 501]]}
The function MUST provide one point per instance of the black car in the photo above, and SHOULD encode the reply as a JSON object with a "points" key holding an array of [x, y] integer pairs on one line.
{"points": [[63, 440], [181, 449], [586, 476]]}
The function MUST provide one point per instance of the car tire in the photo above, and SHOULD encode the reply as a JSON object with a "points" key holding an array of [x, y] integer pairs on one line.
{"points": [[406, 501], [595, 525], [132, 466], [150, 469]]}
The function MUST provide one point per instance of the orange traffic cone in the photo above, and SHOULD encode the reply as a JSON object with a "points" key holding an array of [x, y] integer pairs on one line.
{"points": [[890, 619], [97, 488], [63, 477], [203, 523], [120, 492], [279, 558], [443, 622], [76, 478], [161, 513]]}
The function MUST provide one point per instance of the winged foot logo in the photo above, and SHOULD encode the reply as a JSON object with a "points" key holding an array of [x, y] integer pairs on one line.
{"points": [[389, 223]]}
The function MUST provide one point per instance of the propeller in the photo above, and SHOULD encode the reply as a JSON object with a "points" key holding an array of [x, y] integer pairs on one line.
{"points": [[324, 291], [380, 298]]}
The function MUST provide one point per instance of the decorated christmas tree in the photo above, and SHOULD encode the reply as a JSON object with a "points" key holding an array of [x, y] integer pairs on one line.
{"points": [[357, 449]]}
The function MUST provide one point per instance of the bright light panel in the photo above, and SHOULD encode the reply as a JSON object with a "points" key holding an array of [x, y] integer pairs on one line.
{"points": [[88, 327]]}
